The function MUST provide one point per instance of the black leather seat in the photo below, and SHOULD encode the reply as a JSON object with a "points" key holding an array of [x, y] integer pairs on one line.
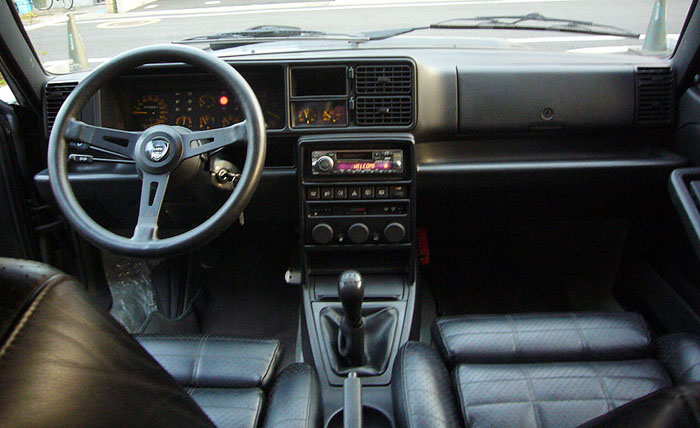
{"points": [[65, 362], [537, 370]]}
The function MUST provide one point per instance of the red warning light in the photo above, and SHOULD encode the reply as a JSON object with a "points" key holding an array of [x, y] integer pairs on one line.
{"points": [[223, 100]]}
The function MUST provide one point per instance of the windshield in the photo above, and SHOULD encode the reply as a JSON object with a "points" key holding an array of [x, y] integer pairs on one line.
{"points": [[72, 35]]}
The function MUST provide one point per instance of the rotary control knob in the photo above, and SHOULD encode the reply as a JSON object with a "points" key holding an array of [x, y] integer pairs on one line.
{"points": [[394, 232], [324, 163], [322, 233], [358, 233]]}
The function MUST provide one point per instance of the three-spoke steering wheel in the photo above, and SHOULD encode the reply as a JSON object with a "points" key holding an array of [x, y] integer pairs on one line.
{"points": [[157, 152]]}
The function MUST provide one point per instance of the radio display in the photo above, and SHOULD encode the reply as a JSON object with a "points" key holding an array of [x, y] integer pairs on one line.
{"points": [[363, 166]]}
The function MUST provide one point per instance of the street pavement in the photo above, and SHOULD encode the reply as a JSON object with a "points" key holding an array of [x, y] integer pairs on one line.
{"points": [[164, 21]]}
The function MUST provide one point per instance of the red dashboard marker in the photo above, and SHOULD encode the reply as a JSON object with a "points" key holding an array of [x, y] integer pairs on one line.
{"points": [[223, 100]]}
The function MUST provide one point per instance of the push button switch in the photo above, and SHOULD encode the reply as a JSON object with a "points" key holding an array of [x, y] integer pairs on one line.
{"points": [[398, 192], [327, 193], [354, 193], [341, 193], [312, 193], [368, 193], [381, 192]]}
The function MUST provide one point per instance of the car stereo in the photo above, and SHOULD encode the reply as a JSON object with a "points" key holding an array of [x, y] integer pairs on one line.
{"points": [[347, 162]]}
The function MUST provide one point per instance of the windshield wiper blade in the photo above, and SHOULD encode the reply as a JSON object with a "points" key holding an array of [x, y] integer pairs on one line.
{"points": [[519, 22], [267, 33]]}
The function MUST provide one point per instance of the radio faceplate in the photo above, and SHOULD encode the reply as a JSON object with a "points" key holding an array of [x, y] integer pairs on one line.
{"points": [[357, 162]]}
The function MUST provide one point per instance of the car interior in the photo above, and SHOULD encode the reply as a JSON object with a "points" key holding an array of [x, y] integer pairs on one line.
{"points": [[380, 236]]}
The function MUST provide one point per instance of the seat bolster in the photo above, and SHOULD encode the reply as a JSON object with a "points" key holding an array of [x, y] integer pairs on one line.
{"points": [[422, 389], [295, 399], [216, 362], [680, 355], [556, 337]]}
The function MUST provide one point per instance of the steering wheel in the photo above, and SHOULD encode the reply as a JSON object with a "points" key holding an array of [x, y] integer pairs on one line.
{"points": [[157, 152]]}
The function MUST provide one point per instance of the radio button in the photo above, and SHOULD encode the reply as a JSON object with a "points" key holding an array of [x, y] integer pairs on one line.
{"points": [[312, 193], [327, 193], [381, 192], [354, 193], [324, 163], [368, 193], [341, 193]]}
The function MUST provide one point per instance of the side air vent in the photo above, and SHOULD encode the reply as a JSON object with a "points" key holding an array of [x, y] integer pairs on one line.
{"points": [[384, 94], [54, 96], [655, 98]]}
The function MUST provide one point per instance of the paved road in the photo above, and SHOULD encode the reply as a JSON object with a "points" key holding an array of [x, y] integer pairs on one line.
{"points": [[163, 21]]}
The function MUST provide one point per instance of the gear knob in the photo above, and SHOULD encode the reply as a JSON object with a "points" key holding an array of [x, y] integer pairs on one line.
{"points": [[351, 293]]}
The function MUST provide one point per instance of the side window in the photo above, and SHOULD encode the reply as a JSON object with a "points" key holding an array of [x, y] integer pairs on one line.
{"points": [[6, 94]]}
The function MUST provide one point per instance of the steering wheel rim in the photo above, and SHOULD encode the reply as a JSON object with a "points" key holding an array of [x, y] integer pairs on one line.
{"points": [[252, 131]]}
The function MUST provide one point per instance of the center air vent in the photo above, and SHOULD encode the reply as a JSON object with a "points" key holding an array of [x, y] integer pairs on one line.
{"points": [[655, 99], [54, 96], [384, 95]]}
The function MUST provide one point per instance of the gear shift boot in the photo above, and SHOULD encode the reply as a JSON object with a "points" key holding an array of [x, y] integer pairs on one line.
{"points": [[379, 329]]}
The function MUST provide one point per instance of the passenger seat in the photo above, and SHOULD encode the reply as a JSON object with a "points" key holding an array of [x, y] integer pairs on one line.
{"points": [[536, 370]]}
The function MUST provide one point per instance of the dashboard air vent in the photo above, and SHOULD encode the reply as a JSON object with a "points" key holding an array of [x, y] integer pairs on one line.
{"points": [[655, 98], [54, 96], [384, 94], [383, 111], [383, 79]]}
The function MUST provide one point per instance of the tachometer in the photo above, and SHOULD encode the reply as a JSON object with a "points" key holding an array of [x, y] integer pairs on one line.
{"points": [[150, 110]]}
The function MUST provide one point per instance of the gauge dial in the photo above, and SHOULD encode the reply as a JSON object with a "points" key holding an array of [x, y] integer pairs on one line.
{"points": [[335, 115], [206, 121], [206, 102], [185, 121], [150, 110], [307, 116]]}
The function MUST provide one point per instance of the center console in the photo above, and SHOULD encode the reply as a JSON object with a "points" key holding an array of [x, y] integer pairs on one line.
{"points": [[357, 231]]}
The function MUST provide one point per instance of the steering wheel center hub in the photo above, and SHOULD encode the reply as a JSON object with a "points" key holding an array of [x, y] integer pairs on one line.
{"points": [[159, 149]]}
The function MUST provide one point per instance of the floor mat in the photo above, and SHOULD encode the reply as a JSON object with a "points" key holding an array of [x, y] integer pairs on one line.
{"points": [[545, 267], [246, 293]]}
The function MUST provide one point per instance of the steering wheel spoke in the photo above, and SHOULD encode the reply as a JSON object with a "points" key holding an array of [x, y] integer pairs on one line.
{"points": [[152, 195], [200, 142], [112, 140]]}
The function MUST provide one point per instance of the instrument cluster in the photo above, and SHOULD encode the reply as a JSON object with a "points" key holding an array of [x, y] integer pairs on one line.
{"points": [[198, 104]]}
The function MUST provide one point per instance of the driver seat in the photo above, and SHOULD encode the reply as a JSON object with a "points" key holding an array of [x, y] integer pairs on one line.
{"points": [[66, 362]]}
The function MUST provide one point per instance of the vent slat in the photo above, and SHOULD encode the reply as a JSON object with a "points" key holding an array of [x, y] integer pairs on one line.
{"points": [[390, 79], [655, 98], [54, 96]]}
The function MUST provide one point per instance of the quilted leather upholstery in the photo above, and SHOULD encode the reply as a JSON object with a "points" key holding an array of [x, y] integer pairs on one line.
{"points": [[552, 394], [66, 362], [421, 389], [216, 362], [542, 337], [230, 407], [544, 370], [227, 377], [680, 353], [295, 399]]}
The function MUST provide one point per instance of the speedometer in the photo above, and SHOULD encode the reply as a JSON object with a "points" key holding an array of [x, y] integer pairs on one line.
{"points": [[150, 110]]}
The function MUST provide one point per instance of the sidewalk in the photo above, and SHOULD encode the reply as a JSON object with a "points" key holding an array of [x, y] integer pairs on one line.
{"points": [[57, 14]]}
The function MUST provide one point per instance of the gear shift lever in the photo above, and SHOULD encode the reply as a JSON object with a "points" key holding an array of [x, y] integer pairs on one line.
{"points": [[351, 335]]}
